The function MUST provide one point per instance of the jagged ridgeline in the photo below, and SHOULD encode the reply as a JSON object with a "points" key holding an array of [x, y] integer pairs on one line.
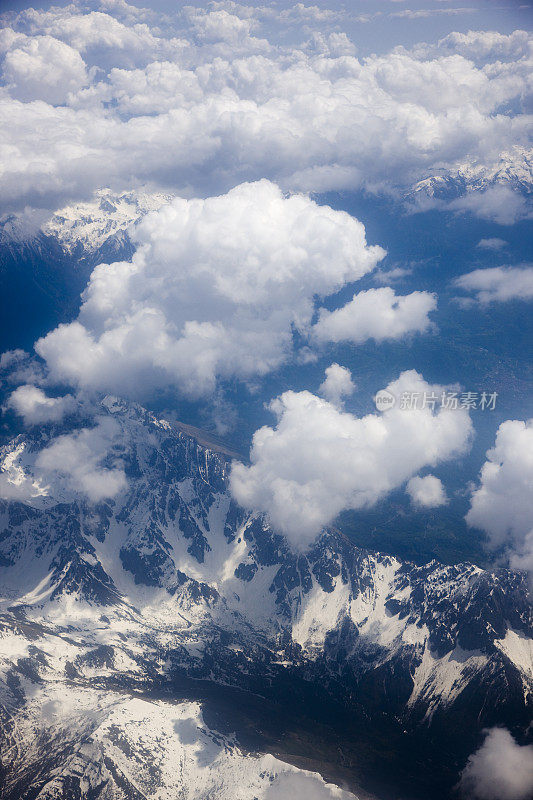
{"points": [[167, 644]]}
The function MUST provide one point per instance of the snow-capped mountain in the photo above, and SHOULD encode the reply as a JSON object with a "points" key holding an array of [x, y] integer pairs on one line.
{"points": [[99, 743], [513, 169], [114, 613], [98, 228], [86, 227], [82, 229]]}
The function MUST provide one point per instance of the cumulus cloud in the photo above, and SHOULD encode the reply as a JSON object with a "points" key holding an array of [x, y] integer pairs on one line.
{"points": [[502, 503], [337, 384], [500, 770], [483, 46], [33, 405], [376, 314], [215, 289], [81, 462], [522, 557], [199, 103], [427, 492], [332, 44], [99, 36], [219, 25], [42, 68], [300, 12], [498, 284], [319, 460]]}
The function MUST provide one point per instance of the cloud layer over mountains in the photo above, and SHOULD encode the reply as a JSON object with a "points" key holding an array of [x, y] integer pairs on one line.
{"points": [[213, 97], [216, 289], [241, 113], [221, 126]]}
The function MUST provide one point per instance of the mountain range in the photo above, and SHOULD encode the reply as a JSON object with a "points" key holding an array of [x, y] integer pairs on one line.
{"points": [[166, 643]]}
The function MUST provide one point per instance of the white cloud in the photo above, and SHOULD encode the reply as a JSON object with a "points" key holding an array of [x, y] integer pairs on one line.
{"points": [[300, 786], [299, 13], [32, 404], [331, 44], [214, 290], [318, 460], [391, 275], [498, 284], [483, 46], [423, 13], [427, 492], [79, 463], [219, 25], [498, 204], [76, 459], [493, 243], [43, 68], [502, 504], [500, 770], [93, 32], [337, 385], [12, 358], [376, 314], [199, 108], [522, 558]]}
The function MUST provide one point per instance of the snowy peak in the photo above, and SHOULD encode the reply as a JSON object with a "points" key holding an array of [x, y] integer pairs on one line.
{"points": [[82, 229], [87, 226], [513, 169]]}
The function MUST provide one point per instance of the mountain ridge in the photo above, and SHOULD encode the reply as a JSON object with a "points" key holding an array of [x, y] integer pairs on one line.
{"points": [[170, 581]]}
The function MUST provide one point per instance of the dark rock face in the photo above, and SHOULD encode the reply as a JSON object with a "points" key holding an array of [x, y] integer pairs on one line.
{"points": [[171, 582]]}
